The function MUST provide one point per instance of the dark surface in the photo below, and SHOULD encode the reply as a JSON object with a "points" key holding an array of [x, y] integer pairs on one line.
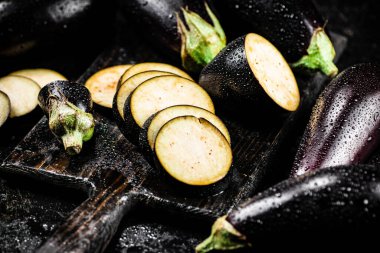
{"points": [[22, 226]]}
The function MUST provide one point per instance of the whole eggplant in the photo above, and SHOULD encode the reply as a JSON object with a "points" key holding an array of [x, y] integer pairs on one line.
{"points": [[68, 106], [186, 28], [344, 127], [294, 26], [25, 24], [333, 201]]}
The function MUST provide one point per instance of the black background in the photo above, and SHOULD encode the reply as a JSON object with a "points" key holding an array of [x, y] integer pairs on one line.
{"points": [[31, 210]]}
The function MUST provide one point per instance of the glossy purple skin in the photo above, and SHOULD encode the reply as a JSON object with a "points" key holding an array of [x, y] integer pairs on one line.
{"points": [[344, 125], [341, 200]]}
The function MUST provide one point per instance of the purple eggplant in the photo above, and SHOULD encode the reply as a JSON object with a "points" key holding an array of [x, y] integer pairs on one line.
{"points": [[344, 127], [186, 28], [295, 27], [342, 201]]}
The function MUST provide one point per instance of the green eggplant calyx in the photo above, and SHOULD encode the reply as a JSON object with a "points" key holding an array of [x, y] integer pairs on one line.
{"points": [[223, 237], [71, 124], [201, 41], [321, 54]]}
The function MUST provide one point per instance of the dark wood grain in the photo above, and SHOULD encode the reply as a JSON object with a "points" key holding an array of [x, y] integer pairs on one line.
{"points": [[116, 176]]}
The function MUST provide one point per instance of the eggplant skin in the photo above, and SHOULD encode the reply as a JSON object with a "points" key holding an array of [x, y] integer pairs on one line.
{"points": [[288, 24], [344, 127], [342, 199], [25, 24], [231, 82], [75, 93], [158, 19]]}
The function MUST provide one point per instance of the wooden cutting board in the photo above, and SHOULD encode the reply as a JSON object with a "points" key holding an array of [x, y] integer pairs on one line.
{"points": [[117, 177]]}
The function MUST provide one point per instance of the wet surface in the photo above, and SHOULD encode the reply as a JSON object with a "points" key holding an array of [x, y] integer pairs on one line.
{"points": [[30, 211]]}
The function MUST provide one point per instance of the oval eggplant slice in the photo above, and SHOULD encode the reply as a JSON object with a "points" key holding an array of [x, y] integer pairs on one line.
{"points": [[186, 28], [193, 151], [40, 76], [153, 126], [251, 72], [159, 93], [130, 85], [294, 26], [152, 66], [5, 107], [103, 84], [344, 125], [22, 92]]}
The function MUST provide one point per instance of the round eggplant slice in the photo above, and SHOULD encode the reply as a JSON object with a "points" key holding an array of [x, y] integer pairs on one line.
{"points": [[22, 93], [103, 84], [40, 76], [150, 66], [157, 94], [251, 73], [5, 107], [153, 126], [193, 151], [130, 85]]}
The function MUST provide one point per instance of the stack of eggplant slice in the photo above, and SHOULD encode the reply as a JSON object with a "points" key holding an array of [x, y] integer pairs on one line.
{"points": [[161, 109], [343, 131], [19, 91], [22, 93], [293, 26], [188, 29]]}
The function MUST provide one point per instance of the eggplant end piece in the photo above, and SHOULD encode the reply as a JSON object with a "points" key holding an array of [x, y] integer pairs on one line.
{"points": [[201, 41], [320, 55], [77, 125], [223, 237]]}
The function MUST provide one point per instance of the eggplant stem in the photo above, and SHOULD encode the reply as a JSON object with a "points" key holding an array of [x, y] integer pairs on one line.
{"points": [[320, 55], [223, 237], [73, 142], [201, 41], [71, 124]]}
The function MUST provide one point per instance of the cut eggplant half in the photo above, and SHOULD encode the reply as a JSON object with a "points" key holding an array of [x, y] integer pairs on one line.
{"points": [[130, 85], [5, 107], [193, 151], [150, 66], [40, 76], [153, 126], [157, 94], [103, 84], [295, 27], [251, 71], [22, 93]]}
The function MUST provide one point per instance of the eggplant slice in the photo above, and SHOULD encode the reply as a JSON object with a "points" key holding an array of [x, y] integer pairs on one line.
{"points": [[150, 66], [154, 125], [157, 94], [103, 84], [40, 76], [161, 92], [130, 85], [193, 151], [22, 93], [250, 73], [5, 107]]}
